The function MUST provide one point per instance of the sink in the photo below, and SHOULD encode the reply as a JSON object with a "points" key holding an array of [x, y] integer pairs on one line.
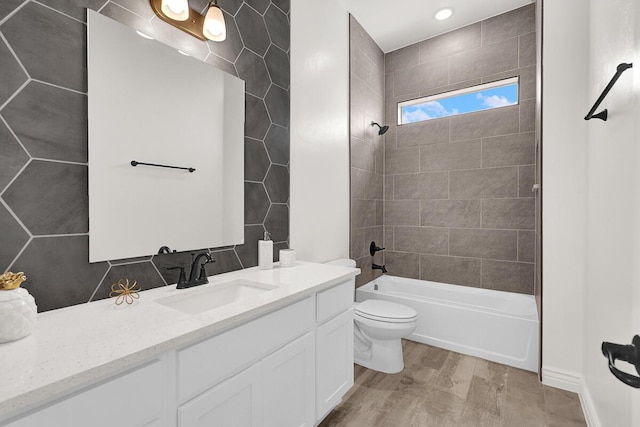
{"points": [[208, 297]]}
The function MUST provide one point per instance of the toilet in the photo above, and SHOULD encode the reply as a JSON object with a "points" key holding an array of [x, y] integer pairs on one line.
{"points": [[378, 327]]}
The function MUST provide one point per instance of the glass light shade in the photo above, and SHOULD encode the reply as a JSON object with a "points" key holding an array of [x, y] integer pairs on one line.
{"points": [[176, 9], [213, 27]]}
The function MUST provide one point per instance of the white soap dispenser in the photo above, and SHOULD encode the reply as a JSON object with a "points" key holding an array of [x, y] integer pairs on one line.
{"points": [[265, 252]]}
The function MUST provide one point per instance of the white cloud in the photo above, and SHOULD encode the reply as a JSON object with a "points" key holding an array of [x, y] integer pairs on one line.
{"points": [[429, 110], [494, 101]]}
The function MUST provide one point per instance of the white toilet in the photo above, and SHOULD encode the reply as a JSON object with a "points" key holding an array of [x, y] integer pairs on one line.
{"points": [[379, 326]]}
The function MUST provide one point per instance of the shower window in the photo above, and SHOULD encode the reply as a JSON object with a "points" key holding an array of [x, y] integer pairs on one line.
{"points": [[501, 93]]}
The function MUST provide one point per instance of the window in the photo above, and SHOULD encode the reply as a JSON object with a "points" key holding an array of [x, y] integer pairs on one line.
{"points": [[501, 93]]}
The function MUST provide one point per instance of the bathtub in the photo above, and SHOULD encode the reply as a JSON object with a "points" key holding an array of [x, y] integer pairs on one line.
{"points": [[494, 325]]}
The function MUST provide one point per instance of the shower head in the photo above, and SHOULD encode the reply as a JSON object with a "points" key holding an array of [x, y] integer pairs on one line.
{"points": [[382, 130]]}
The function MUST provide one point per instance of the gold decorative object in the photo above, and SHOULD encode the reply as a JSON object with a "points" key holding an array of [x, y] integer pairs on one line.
{"points": [[11, 280], [123, 291]]}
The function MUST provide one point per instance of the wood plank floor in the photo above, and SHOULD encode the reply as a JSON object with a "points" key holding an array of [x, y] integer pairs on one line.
{"points": [[443, 388]]}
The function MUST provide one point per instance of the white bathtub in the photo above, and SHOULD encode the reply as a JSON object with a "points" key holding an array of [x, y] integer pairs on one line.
{"points": [[494, 325]]}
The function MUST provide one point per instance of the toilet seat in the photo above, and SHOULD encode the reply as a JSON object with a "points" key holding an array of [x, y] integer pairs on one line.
{"points": [[385, 311]]}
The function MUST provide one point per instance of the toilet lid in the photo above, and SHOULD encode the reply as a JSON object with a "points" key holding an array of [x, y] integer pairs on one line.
{"points": [[385, 311]]}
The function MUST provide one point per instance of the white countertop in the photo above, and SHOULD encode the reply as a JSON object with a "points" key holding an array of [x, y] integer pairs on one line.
{"points": [[75, 346]]}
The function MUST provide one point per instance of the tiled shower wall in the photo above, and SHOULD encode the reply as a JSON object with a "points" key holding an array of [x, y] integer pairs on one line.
{"points": [[43, 139], [367, 150], [458, 202]]}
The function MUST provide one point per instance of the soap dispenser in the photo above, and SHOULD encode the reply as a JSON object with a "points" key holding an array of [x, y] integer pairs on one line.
{"points": [[265, 252]]}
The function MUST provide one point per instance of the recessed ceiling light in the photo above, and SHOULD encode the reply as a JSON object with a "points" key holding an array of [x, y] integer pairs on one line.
{"points": [[443, 14]]}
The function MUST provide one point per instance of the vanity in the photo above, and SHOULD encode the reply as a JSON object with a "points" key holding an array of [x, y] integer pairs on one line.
{"points": [[251, 348]]}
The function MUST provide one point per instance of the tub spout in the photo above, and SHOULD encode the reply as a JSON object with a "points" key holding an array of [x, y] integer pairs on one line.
{"points": [[379, 267]]}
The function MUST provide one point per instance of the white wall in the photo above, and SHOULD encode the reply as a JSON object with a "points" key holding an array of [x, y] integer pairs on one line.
{"points": [[612, 211], [591, 201], [564, 160], [319, 206]]}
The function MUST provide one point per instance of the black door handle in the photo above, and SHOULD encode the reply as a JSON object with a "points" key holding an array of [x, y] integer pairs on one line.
{"points": [[626, 353]]}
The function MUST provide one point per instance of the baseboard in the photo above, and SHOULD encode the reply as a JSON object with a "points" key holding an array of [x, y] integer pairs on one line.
{"points": [[564, 380], [590, 414], [570, 381]]}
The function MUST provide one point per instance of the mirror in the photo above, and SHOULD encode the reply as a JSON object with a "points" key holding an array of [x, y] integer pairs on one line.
{"points": [[151, 104]]}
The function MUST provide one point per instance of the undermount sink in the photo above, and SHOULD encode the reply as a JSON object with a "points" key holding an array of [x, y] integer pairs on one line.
{"points": [[212, 296]]}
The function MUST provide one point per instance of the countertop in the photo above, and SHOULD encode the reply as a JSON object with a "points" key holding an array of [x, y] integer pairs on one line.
{"points": [[73, 347]]}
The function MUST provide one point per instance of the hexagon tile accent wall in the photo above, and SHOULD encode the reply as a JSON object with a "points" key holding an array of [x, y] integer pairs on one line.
{"points": [[43, 146]]}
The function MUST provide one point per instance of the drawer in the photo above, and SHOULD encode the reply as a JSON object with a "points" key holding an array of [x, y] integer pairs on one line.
{"points": [[205, 364], [335, 300]]}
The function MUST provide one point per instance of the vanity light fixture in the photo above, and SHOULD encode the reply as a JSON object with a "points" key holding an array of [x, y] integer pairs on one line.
{"points": [[178, 13], [443, 14]]}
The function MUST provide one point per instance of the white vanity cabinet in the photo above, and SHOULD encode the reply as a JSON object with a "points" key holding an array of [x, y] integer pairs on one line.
{"points": [[334, 347], [133, 399], [286, 368]]}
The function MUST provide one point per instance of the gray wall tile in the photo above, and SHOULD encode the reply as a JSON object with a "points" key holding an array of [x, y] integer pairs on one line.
{"points": [[402, 160], [422, 240], [357, 244], [403, 212], [13, 156], [257, 203], [51, 198], [450, 213], [12, 74], [277, 222], [465, 38], [492, 244], [11, 232], [528, 115], [481, 183], [277, 184], [526, 246], [450, 156], [256, 161], [510, 24], [257, 120], [489, 59], [421, 133], [277, 101], [527, 50], [232, 46], [499, 121], [402, 59], [252, 69], [363, 213], [363, 155], [53, 47], [509, 150], [507, 276], [359, 37], [403, 264], [526, 179], [60, 132], [432, 185], [253, 29], [277, 143], [508, 213], [365, 69], [422, 77], [366, 274], [277, 62], [68, 257], [454, 270], [278, 28]]}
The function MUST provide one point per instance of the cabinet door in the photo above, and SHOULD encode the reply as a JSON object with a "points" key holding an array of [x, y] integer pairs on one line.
{"points": [[334, 362], [288, 374], [234, 403]]}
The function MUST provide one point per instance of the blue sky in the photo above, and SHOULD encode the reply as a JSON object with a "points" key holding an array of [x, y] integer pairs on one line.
{"points": [[460, 104]]}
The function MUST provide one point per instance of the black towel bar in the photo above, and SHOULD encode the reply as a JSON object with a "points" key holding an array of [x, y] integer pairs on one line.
{"points": [[602, 115], [134, 163]]}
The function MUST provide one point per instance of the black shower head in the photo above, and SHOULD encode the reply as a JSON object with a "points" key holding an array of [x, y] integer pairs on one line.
{"points": [[382, 130]]}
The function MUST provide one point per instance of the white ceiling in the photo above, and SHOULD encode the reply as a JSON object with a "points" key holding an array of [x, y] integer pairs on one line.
{"points": [[398, 23]]}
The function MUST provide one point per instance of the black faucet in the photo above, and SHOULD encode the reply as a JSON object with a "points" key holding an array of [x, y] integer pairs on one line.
{"points": [[379, 267], [201, 279], [373, 248]]}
